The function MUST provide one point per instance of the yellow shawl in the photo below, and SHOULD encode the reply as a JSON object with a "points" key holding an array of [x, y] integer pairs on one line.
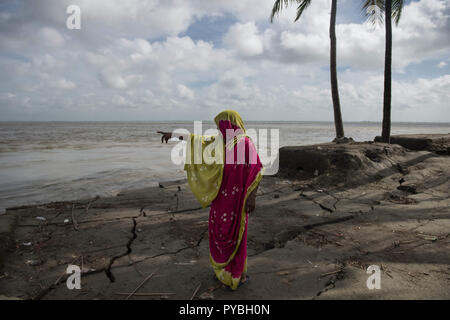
{"points": [[205, 179]]}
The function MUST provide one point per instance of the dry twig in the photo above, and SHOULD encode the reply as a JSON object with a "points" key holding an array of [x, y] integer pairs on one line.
{"points": [[195, 292], [150, 294], [74, 221], [140, 285]]}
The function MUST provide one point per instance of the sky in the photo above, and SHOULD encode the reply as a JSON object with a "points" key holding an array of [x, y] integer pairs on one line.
{"points": [[157, 60]]}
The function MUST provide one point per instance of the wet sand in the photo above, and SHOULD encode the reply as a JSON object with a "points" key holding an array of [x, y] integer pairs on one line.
{"points": [[332, 211]]}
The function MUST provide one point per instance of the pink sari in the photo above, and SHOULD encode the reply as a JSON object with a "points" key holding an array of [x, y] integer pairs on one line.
{"points": [[227, 218]]}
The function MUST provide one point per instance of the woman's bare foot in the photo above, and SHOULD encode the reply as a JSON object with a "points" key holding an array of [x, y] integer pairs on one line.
{"points": [[244, 279]]}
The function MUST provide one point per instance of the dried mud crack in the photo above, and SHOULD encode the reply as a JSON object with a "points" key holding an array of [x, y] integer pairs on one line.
{"points": [[107, 270], [325, 208], [199, 241], [129, 250]]}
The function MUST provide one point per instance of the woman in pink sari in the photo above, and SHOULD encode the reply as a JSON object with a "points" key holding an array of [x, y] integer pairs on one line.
{"points": [[230, 187]]}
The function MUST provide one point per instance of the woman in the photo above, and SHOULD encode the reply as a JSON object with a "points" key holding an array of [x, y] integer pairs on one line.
{"points": [[230, 187]]}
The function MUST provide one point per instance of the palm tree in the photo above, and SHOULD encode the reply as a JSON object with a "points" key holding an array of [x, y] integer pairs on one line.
{"points": [[393, 9], [302, 5]]}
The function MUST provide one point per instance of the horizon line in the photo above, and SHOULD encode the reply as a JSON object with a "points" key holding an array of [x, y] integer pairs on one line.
{"points": [[209, 120]]}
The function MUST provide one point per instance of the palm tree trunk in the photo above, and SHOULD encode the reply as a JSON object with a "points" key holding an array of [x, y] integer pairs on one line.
{"points": [[386, 130], [334, 82]]}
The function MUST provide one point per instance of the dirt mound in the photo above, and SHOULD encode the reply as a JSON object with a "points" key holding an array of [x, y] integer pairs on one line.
{"points": [[342, 163], [438, 143]]}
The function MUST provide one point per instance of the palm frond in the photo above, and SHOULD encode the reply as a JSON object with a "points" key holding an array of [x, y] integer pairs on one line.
{"points": [[397, 8], [280, 4], [368, 7], [302, 6], [374, 11]]}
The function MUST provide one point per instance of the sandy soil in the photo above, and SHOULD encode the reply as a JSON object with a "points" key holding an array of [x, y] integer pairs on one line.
{"points": [[315, 231]]}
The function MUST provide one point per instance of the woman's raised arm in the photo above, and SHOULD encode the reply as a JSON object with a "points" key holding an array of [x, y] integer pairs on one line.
{"points": [[168, 135]]}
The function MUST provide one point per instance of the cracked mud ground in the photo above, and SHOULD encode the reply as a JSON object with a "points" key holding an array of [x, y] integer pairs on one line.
{"points": [[306, 240]]}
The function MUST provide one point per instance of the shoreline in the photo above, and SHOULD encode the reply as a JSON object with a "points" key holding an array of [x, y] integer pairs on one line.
{"points": [[315, 231], [211, 121]]}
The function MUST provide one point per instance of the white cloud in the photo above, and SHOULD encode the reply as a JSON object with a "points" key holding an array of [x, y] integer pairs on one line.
{"points": [[49, 37], [150, 66], [244, 39], [185, 92], [112, 79], [422, 33], [63, 84]]}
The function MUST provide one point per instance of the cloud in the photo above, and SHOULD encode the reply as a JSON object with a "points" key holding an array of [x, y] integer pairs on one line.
{"points": [[137, 60], [50, 37], [244, 39], [63, 84], [422, 33], [184, 92]]}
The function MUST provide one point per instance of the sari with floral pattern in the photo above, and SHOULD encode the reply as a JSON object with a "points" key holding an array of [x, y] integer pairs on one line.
{"points": [[226, 187]]}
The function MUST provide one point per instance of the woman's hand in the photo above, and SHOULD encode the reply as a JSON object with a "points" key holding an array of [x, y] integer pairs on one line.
{"points": [[165, 136], [168, 135], [250, 204]]}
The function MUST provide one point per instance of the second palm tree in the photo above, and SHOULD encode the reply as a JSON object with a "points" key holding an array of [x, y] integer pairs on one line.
{"points": [[302, 5]]}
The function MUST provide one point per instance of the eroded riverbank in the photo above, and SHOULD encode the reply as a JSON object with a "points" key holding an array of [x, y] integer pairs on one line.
{"points": [[314, 233]]}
